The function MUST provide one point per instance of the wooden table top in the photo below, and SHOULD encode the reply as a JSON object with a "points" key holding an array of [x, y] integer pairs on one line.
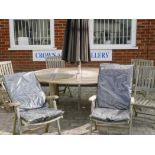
{"points": [[89, 76]]}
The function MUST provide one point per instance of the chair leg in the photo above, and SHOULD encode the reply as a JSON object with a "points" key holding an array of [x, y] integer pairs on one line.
{"points": [[91, 126], [154, 126], [47, 127], [14, 124], [130, 127], [19, 127], [130, 123], [58, 125], [64, 89], [136, 114], [95, 125], [69, 91]]}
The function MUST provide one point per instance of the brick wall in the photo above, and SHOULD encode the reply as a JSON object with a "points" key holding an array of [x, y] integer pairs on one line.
{"points": [[22, 60]]}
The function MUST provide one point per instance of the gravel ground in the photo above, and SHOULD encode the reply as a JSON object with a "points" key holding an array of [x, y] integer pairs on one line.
{"points": [[75, 122]]}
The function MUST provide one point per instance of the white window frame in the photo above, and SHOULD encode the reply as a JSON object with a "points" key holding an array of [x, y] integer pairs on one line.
{"points": [[113, 46], [31, 47]]}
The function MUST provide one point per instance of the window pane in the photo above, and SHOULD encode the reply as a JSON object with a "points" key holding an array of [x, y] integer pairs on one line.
{"points": [[32, 32], [112, 31]]}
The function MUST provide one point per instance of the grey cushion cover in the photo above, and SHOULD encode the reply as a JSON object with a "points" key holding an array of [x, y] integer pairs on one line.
{"points": [[114, 86], [40, 115], [25, 88], [106, 114]]}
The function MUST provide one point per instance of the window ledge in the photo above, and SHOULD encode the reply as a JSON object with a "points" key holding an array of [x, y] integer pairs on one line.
{"points": [[32, 48], [114, 48]]}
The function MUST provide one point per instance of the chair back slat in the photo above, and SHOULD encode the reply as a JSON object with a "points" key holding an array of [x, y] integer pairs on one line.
{"points": [[139, 62], [6, 68], [145, 79], [152, 82], [54, 62]]}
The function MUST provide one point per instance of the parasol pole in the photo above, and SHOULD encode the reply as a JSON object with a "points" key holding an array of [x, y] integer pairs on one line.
{"points": [[79, 67], [79, 86]]}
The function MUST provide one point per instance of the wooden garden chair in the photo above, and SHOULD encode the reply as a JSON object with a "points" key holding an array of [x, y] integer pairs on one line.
{"points": [[30, 103], [144, 91], [57, 62], [5, 69], [112, 107]]}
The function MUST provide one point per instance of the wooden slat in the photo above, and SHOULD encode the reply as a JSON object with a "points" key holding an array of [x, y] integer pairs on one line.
{"points": [[146, 103], [6, 68], [140, 62]]}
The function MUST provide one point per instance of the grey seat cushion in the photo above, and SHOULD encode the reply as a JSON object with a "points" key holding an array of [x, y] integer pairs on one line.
{"points": [[106, 114], [40, 115]]}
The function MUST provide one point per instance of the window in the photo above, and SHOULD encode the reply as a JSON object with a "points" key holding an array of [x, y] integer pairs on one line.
{"points": [[112, 33], [32, 34]]}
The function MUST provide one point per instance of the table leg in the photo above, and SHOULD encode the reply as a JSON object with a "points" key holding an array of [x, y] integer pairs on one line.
{"points": [[54, 89]]}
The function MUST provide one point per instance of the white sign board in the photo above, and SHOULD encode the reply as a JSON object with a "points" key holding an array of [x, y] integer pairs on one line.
{"points": [[96, 55], [101, 55], [41, 55]]}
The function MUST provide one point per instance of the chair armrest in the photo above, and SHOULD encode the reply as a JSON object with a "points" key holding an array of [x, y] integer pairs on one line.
{"points": [[14, 104], [53, 97], [132, 100], [92, 98]]}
